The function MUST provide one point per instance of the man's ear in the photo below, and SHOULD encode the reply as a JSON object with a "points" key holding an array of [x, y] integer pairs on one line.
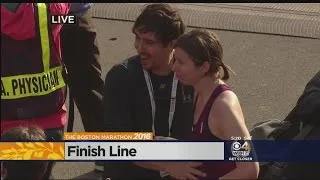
{"points": [[172, 43]]}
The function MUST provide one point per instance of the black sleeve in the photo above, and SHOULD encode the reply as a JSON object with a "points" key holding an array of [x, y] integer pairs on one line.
{"points": [[116, 100], [84, 70], [308, 106]]}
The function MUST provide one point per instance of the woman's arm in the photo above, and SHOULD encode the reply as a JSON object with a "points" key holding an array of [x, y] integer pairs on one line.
{"points": [[227, 114]]}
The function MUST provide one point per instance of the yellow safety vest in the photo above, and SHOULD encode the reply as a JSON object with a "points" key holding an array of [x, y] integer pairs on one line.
{"points": [[37, 84]]}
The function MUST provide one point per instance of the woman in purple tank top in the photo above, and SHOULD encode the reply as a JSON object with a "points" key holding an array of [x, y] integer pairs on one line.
{"points": [[217, 112]]}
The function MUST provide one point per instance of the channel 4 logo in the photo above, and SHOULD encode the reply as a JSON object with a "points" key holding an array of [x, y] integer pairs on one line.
{"points": [[240, 151]]}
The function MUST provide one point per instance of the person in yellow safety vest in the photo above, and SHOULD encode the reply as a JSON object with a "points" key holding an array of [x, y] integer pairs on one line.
{"points": [[33, 89]]}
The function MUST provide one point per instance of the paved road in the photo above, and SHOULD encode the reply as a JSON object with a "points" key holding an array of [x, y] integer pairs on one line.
{"points": [[271, 72]]}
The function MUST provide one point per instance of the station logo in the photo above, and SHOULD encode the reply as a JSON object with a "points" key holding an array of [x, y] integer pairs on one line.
{"points": [[240, 151]]}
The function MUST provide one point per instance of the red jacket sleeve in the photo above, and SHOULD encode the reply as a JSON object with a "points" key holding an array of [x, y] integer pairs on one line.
{"points": [[58, 9]]}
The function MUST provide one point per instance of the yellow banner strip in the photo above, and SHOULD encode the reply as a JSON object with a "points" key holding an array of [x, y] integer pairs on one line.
{"points": [[32, 151], [108, 136]]}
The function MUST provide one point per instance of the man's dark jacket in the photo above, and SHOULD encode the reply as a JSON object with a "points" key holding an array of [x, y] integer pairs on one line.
{"points": [[127, 107]]}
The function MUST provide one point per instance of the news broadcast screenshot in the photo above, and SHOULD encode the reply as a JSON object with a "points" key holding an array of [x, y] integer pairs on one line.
{"points": [[160, 91]]}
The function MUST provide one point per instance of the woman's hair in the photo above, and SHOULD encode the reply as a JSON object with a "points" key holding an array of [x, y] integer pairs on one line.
{"points": [[204, 45], [24, 169]]}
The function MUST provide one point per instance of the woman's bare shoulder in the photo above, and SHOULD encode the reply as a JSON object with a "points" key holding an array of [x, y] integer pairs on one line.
{"points": [[226, 108], [227, 98]]}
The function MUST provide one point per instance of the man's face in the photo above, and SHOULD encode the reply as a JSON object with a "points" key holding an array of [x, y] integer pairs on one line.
{"points": [[152, 52]]}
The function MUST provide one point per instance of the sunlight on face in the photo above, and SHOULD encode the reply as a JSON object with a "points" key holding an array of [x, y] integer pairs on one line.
{"points": [[185, 68], [151, 51]]}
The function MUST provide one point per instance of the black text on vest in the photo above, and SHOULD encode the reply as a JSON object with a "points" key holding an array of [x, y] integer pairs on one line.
{"points": [[63, 19]]}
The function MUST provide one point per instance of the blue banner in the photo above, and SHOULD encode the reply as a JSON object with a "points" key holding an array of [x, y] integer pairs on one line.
{"points": [[273, 151]]}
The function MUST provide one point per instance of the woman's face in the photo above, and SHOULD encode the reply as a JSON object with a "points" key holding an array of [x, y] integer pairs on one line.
{"points": [[187, 72]]}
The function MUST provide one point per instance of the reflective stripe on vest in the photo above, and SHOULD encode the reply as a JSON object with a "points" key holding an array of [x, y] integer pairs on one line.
{"points": [[39, 84], [44, 35]]}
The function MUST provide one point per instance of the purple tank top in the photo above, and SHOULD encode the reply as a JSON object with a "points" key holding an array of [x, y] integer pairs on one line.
{"points": [[201, 131]]}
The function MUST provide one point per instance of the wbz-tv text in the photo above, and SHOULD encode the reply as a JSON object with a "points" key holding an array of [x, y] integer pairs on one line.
{"points": [[63, 19]]}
